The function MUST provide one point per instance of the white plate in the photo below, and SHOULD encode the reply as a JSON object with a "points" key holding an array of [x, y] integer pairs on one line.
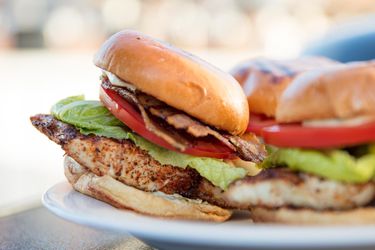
{"points": [[239, 233]]}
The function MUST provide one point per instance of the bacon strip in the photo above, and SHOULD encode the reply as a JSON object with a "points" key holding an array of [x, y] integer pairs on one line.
{"points": [[172, 137]]}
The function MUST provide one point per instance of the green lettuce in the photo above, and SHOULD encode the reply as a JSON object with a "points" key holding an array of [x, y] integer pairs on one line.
{"points": [[91, 117], [216, 171], [331, 164]]}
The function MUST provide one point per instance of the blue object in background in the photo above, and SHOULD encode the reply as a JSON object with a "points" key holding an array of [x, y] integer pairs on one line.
{"points": [[352, 41]]}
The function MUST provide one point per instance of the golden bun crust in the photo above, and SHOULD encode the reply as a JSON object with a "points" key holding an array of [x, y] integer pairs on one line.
{"points": [[358, 216], [177, 78], [117, 194], [264, 80], [340, 91]]}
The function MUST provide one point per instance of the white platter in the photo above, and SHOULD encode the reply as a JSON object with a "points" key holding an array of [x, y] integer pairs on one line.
{"points": [[238, 233]]}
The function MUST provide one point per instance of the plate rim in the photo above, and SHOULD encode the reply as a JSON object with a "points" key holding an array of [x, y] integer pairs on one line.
{"points": [[256, 235]]}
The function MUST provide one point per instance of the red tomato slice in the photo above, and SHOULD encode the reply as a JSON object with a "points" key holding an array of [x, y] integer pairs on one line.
{"points": [[130, 116], [295, 135], [259, 121]]}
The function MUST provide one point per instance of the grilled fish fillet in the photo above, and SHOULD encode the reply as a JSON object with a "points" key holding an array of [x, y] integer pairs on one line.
{"points": [[127, 163], [121, 160], [280, 187]]}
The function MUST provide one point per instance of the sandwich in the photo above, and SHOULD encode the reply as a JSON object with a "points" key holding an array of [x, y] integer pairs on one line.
{"points": [[167, 138], [263, 80], [320, 136]]}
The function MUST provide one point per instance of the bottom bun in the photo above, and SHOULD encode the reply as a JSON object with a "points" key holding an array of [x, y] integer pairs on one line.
{"points": [[119, 195], [358, 216]]}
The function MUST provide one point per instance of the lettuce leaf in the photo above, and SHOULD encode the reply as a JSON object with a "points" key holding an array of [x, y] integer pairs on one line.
{"points": [[331, 164], [91, 117]]}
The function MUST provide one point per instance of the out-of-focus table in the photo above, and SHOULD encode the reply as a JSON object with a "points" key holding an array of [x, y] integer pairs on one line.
{"points": [[39, 229]]}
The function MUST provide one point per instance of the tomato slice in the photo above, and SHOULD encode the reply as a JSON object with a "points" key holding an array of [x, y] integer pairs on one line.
{"points": [[258, 122], [296, 135], [131, 117]]}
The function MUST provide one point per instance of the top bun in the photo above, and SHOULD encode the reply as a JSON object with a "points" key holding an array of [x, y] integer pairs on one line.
{"points": [[177, 78], [264, 80], [340, 91]]}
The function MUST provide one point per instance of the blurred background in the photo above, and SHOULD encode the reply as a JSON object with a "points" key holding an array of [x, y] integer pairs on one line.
{"points": [[279, 28], [46, 50]]}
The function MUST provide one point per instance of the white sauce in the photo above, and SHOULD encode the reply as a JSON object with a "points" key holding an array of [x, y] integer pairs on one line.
{"points": [[250, 167], [114, 80]]}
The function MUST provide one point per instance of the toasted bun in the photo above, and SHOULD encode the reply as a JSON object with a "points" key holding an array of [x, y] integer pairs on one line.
{"points": [[359, 216], [340, 91], [177, 78], [264, 80], [119, 195]]}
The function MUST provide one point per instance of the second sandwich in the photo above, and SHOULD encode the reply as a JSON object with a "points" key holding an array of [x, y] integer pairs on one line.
{"points": [[321, 134]]}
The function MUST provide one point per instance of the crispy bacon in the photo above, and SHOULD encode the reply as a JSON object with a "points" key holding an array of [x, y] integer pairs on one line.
{"points": [[247, 147], [185, 122], [173, 138]]}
